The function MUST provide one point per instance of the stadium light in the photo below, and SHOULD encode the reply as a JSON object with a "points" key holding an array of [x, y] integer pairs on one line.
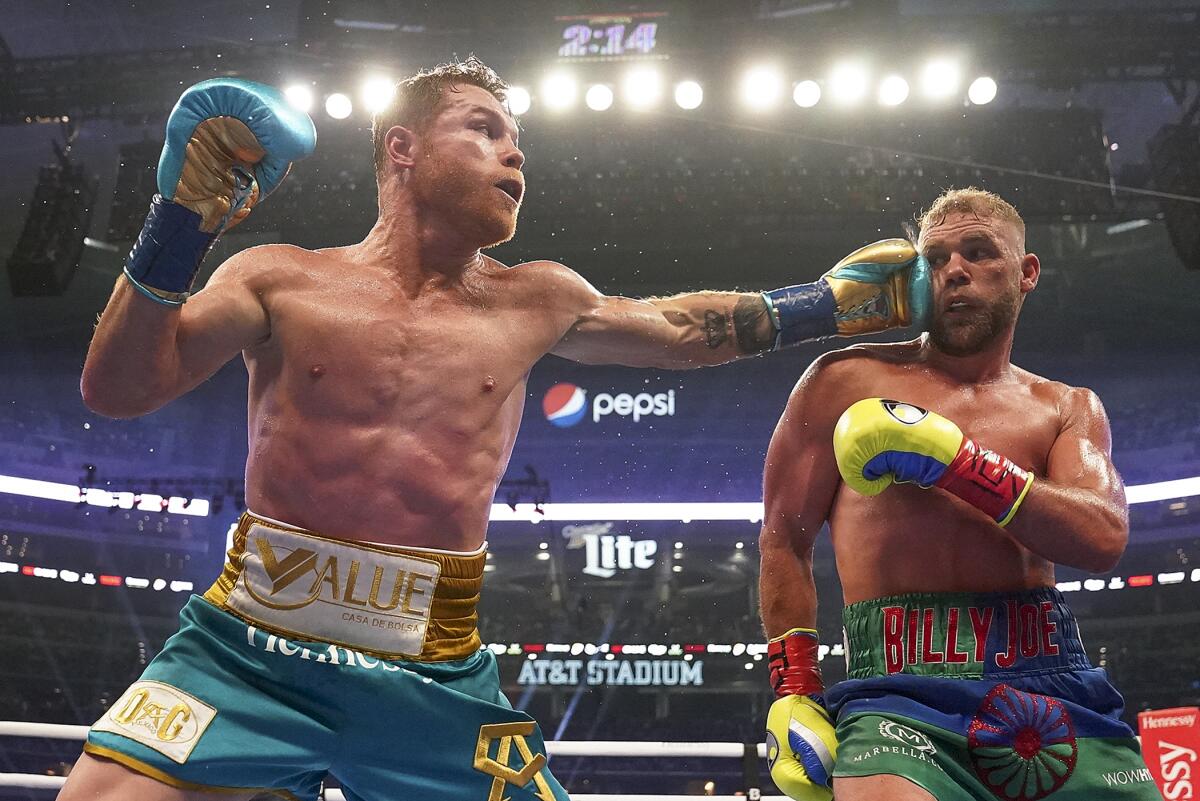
{"points": [[848, 83], [893, 90], [761, 88], [338, 106], [940, 79], [299, 97], [518, 100], [642, 87], [807, 94], [983, 90], [559, 91], [377, 92], [689, 95], [599, 97]]}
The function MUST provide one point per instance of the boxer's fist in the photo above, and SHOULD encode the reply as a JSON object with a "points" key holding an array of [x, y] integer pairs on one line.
{"points": [[877, 442], [883, 285], [229, 144], [801, 748]]}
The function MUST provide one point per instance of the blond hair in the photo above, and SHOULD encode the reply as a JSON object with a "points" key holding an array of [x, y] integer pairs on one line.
{"points": [[971, 200]]}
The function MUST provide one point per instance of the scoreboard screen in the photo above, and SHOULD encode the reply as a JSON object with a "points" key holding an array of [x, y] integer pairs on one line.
{"points": [[612, 37]]}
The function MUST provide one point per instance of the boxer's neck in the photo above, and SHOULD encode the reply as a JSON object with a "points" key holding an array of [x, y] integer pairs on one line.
{"points": [[417, 246], [992, 363]]}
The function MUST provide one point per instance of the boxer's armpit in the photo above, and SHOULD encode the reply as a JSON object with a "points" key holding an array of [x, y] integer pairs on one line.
{"points": [[752, 325]]}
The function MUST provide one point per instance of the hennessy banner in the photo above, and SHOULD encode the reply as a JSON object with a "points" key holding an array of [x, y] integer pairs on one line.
{"points": [[1170, 744]]}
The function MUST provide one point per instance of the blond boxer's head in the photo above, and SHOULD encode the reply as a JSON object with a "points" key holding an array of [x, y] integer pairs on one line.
{"points": [[975, 243]]}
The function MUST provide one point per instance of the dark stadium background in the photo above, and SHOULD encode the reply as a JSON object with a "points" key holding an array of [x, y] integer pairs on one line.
{"points": [[639, 204]]}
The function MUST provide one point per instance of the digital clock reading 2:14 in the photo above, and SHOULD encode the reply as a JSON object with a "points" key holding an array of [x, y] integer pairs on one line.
{"points": [[619, 36]]}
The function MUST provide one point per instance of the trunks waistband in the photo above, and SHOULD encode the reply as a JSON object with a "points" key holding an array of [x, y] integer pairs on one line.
{"points": [[387, 601], [962, 635]]}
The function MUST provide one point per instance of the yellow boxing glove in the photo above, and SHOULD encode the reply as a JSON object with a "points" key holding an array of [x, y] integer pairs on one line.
{"points": [[801, 742], [879, 441], [801, 748]]}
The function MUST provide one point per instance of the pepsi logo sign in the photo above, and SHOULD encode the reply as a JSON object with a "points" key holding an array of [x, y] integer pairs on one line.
{"points": [[565, 404]]}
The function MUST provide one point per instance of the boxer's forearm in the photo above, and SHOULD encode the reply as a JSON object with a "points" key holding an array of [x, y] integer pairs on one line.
{"points": [[133, 356], [786, 589], [1071, 527], [713, 328]]}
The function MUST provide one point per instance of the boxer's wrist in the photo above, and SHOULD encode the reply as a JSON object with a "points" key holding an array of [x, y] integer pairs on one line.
{"points": [[168, 252], [794, 665], [801, 313], [987, 480]]}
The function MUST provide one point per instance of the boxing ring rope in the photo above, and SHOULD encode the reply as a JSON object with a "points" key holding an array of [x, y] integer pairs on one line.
{"points": [[572, 748]]}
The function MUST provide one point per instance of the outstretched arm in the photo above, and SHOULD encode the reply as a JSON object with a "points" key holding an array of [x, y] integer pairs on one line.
{"points": [[881, 286], [693, 330]]}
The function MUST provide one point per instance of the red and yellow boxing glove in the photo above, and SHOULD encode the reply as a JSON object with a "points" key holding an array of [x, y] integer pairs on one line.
{"points": [[878, 442], [801, 741]]}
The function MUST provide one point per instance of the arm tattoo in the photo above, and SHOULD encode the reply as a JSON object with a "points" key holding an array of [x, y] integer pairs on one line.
{"points": [[752, 325], [716, 328]]}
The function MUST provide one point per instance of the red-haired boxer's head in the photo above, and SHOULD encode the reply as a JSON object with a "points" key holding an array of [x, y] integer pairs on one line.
{"points": [[448, 140]]}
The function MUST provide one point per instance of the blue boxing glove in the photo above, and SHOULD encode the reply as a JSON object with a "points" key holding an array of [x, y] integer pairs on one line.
{"points": [[229, 144], [883, 285]]}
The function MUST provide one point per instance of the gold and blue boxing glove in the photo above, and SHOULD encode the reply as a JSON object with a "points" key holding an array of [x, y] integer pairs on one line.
{"points": [[878, 442], [878, 287], [229, 143], [801, 741]]}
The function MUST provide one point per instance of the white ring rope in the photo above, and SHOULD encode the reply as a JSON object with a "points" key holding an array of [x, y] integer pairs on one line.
{"points": [[596, 748]]}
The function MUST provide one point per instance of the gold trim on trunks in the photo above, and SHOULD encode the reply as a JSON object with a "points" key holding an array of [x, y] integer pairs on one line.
{"points": [[148, 770], [390, 602]]}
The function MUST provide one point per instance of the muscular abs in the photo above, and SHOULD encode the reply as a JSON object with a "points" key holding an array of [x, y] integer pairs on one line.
{"points": [[912, 540], [376, 416]]}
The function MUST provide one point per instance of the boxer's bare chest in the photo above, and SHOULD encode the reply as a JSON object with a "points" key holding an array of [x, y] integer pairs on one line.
{"points": [[1018, 415], [908, 539], [362, 352]]}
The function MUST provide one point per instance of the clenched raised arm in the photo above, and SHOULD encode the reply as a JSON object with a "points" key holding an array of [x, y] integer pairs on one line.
{"points": [[145, 354]]}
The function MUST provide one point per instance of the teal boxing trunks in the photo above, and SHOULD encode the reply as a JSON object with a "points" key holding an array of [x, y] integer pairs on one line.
{"points": [[312, 657]]}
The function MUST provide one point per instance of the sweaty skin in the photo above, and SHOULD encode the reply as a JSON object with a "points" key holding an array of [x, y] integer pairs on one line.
{"points": [[387, 378], [908, 539], [912, 540]]}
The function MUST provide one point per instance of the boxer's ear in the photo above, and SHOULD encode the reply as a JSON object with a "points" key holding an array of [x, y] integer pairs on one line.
{"points": [[1031, 270], [400, 144]]}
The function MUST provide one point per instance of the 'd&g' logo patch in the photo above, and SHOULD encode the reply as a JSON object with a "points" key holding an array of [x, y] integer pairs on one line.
{"points": [[159, 716]]}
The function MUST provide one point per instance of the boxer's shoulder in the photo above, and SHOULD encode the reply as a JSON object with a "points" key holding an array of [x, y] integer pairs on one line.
{"points": [[1068, 400], [547, 284], [859, 362]]}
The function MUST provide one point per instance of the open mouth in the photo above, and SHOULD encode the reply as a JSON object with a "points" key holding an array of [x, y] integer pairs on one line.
{"points": [[513, 188]]}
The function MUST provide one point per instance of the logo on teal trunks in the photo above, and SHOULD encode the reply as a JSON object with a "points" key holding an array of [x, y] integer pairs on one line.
{"points": [[159, 716], [410, 593], [910, 737], [1022, 745], [506, 735]]}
